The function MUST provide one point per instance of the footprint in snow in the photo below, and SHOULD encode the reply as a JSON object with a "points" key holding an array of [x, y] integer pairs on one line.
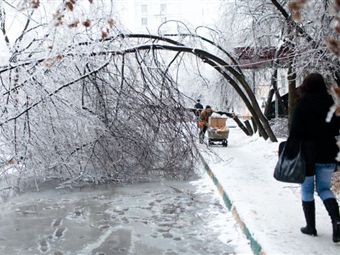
{"points": [[57, 222], [43, 246], [59, 232]]}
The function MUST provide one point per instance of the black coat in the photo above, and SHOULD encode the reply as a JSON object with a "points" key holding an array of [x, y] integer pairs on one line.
{"points": [[309, 125], [198, 106]]}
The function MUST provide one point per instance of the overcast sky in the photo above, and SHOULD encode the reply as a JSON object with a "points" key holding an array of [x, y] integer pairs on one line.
{"points": [[192, 12]]}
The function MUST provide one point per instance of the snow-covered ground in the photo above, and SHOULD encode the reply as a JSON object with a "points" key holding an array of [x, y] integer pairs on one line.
{"points": [[271, 210], [164, 218]]}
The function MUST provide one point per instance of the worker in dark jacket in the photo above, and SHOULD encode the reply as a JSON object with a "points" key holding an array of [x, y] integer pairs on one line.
{"points": [[198, 108], [319, 148]]}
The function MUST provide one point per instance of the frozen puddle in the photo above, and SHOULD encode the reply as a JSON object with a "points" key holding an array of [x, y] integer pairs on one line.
{"points": [[154, 218]]}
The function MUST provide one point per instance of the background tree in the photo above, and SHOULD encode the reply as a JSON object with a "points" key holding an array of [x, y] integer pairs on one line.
{"points": [[268, 23]]}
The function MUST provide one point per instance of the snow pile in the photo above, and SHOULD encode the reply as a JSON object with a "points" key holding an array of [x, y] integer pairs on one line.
{"points": [[217, 115]]}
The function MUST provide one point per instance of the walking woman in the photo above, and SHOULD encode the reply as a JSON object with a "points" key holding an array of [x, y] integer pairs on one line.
{"points": [[319, 148]]}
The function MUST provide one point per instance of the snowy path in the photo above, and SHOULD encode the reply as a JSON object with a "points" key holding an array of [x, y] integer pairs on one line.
{"points": [[271, 210], [169, 218]]}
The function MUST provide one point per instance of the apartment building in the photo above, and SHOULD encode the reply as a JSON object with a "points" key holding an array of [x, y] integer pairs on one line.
{"points": [[148, 15]]}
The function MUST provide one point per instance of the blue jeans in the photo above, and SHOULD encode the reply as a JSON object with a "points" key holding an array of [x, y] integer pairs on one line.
{"points": [[322, 177]]}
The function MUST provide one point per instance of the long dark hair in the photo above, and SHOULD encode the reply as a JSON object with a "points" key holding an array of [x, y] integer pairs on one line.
{"points": [[313, 83]]}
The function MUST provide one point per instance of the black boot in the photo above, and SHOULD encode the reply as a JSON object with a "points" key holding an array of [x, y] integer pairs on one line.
{"points": [[333, 210], [309, 211]]}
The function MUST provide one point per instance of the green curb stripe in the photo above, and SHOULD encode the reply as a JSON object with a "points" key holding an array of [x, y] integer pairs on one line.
{"points": [[255, 246]]}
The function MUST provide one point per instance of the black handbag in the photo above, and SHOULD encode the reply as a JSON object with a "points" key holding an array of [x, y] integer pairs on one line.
{"points": [[291, 166]]}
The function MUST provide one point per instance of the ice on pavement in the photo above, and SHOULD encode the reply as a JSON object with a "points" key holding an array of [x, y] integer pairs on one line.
{"points": [[152, 218]]}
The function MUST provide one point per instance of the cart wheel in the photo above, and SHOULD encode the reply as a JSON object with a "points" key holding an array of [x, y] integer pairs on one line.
{"points": [[225, 143]]}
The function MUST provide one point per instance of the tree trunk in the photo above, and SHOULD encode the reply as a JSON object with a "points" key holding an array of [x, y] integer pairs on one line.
{"points": [[268, 109], [249, 128], [243, 127], [292, 95], [282, 106], [254, 124]]}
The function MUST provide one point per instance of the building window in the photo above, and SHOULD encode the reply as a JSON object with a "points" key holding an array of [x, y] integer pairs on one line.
{"points": [[163, 8], [144, 8], [144, 21]]}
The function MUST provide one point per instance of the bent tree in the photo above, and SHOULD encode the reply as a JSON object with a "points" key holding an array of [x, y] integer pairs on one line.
{"points": [[114, 109], [105, 109]]}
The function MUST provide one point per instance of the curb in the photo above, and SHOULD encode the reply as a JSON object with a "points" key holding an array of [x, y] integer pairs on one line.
{"points": [[254, 245]]}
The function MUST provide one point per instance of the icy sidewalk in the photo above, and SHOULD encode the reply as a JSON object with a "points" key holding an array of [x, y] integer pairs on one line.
{"points": [[269, 209], [157, 218]]}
